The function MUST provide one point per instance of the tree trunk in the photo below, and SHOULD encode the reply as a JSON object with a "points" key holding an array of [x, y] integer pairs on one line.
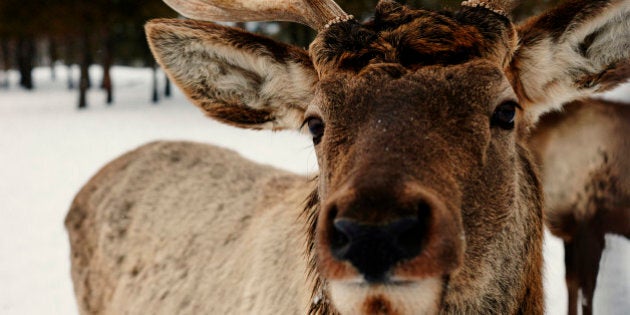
{"points": [[167, 86], [25, 57], [155, 97], [69, 58], [84, 80], [70, 78], [301, 35], [6, 63], [52, 49], [108, 59]]}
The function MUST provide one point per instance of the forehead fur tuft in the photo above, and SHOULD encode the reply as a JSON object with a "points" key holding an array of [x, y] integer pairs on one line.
{"points": [[413, 38]]}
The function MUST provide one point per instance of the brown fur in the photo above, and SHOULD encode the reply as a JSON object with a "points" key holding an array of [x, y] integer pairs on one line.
{"points": [[414, 39], [434, 168], [408, 103], [587, 192], [378, 305]]}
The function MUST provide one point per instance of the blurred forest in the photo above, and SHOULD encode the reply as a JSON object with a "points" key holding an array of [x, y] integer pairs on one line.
{"points": [[36, 33]]}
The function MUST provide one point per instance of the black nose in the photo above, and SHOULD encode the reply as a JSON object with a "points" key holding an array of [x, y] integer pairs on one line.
{"points": [[375, 249]]}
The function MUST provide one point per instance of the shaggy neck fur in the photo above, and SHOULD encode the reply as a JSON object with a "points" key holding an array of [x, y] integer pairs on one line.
{"points": [[320, 301]]}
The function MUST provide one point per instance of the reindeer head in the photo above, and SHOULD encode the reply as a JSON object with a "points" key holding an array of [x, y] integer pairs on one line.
{"points": [[427, 201]]}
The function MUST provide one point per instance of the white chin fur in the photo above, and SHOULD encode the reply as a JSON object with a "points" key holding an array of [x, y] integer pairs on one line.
{"points": [[417, 298]]}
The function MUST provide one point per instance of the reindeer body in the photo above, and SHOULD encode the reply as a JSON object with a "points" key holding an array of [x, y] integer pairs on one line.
{"points": [[427, 200], [586, 180], [186, 228]]}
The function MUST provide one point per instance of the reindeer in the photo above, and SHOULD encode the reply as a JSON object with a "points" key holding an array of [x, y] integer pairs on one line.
{"points": [[586, 179], [427, 199]]}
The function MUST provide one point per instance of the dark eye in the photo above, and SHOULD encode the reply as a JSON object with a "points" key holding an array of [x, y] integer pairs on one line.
{"points": [[316, 127], [504, 115]]}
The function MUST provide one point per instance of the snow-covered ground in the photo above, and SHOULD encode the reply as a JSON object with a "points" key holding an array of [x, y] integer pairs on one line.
{"points": [[48, 149]]}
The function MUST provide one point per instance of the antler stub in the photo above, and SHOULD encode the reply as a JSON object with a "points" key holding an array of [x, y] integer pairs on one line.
{"points": [[502, 7], [317, 14]]}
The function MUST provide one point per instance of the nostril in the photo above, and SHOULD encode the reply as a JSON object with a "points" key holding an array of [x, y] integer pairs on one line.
{"points": [[339, 239], [412, 231], [341, 236]]}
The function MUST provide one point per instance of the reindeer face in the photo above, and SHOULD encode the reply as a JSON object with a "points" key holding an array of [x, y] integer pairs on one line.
{"points": [[402, 155], [405, 131], [426, 200]]}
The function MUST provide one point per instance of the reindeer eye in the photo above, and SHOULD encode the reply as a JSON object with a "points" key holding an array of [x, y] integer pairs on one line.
{"points": [[316, 127], [504, 115]]}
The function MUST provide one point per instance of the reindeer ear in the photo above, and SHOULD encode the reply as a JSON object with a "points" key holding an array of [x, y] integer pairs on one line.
{"points": [[236, 77], [577, 49]]}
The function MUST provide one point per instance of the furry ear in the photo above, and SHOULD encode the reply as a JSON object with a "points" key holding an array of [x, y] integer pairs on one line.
{"points": [[570, 52], [234, 76]]}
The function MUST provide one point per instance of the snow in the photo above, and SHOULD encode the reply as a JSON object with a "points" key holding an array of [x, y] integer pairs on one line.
{"points": [[49, 150], [613, 280]]}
